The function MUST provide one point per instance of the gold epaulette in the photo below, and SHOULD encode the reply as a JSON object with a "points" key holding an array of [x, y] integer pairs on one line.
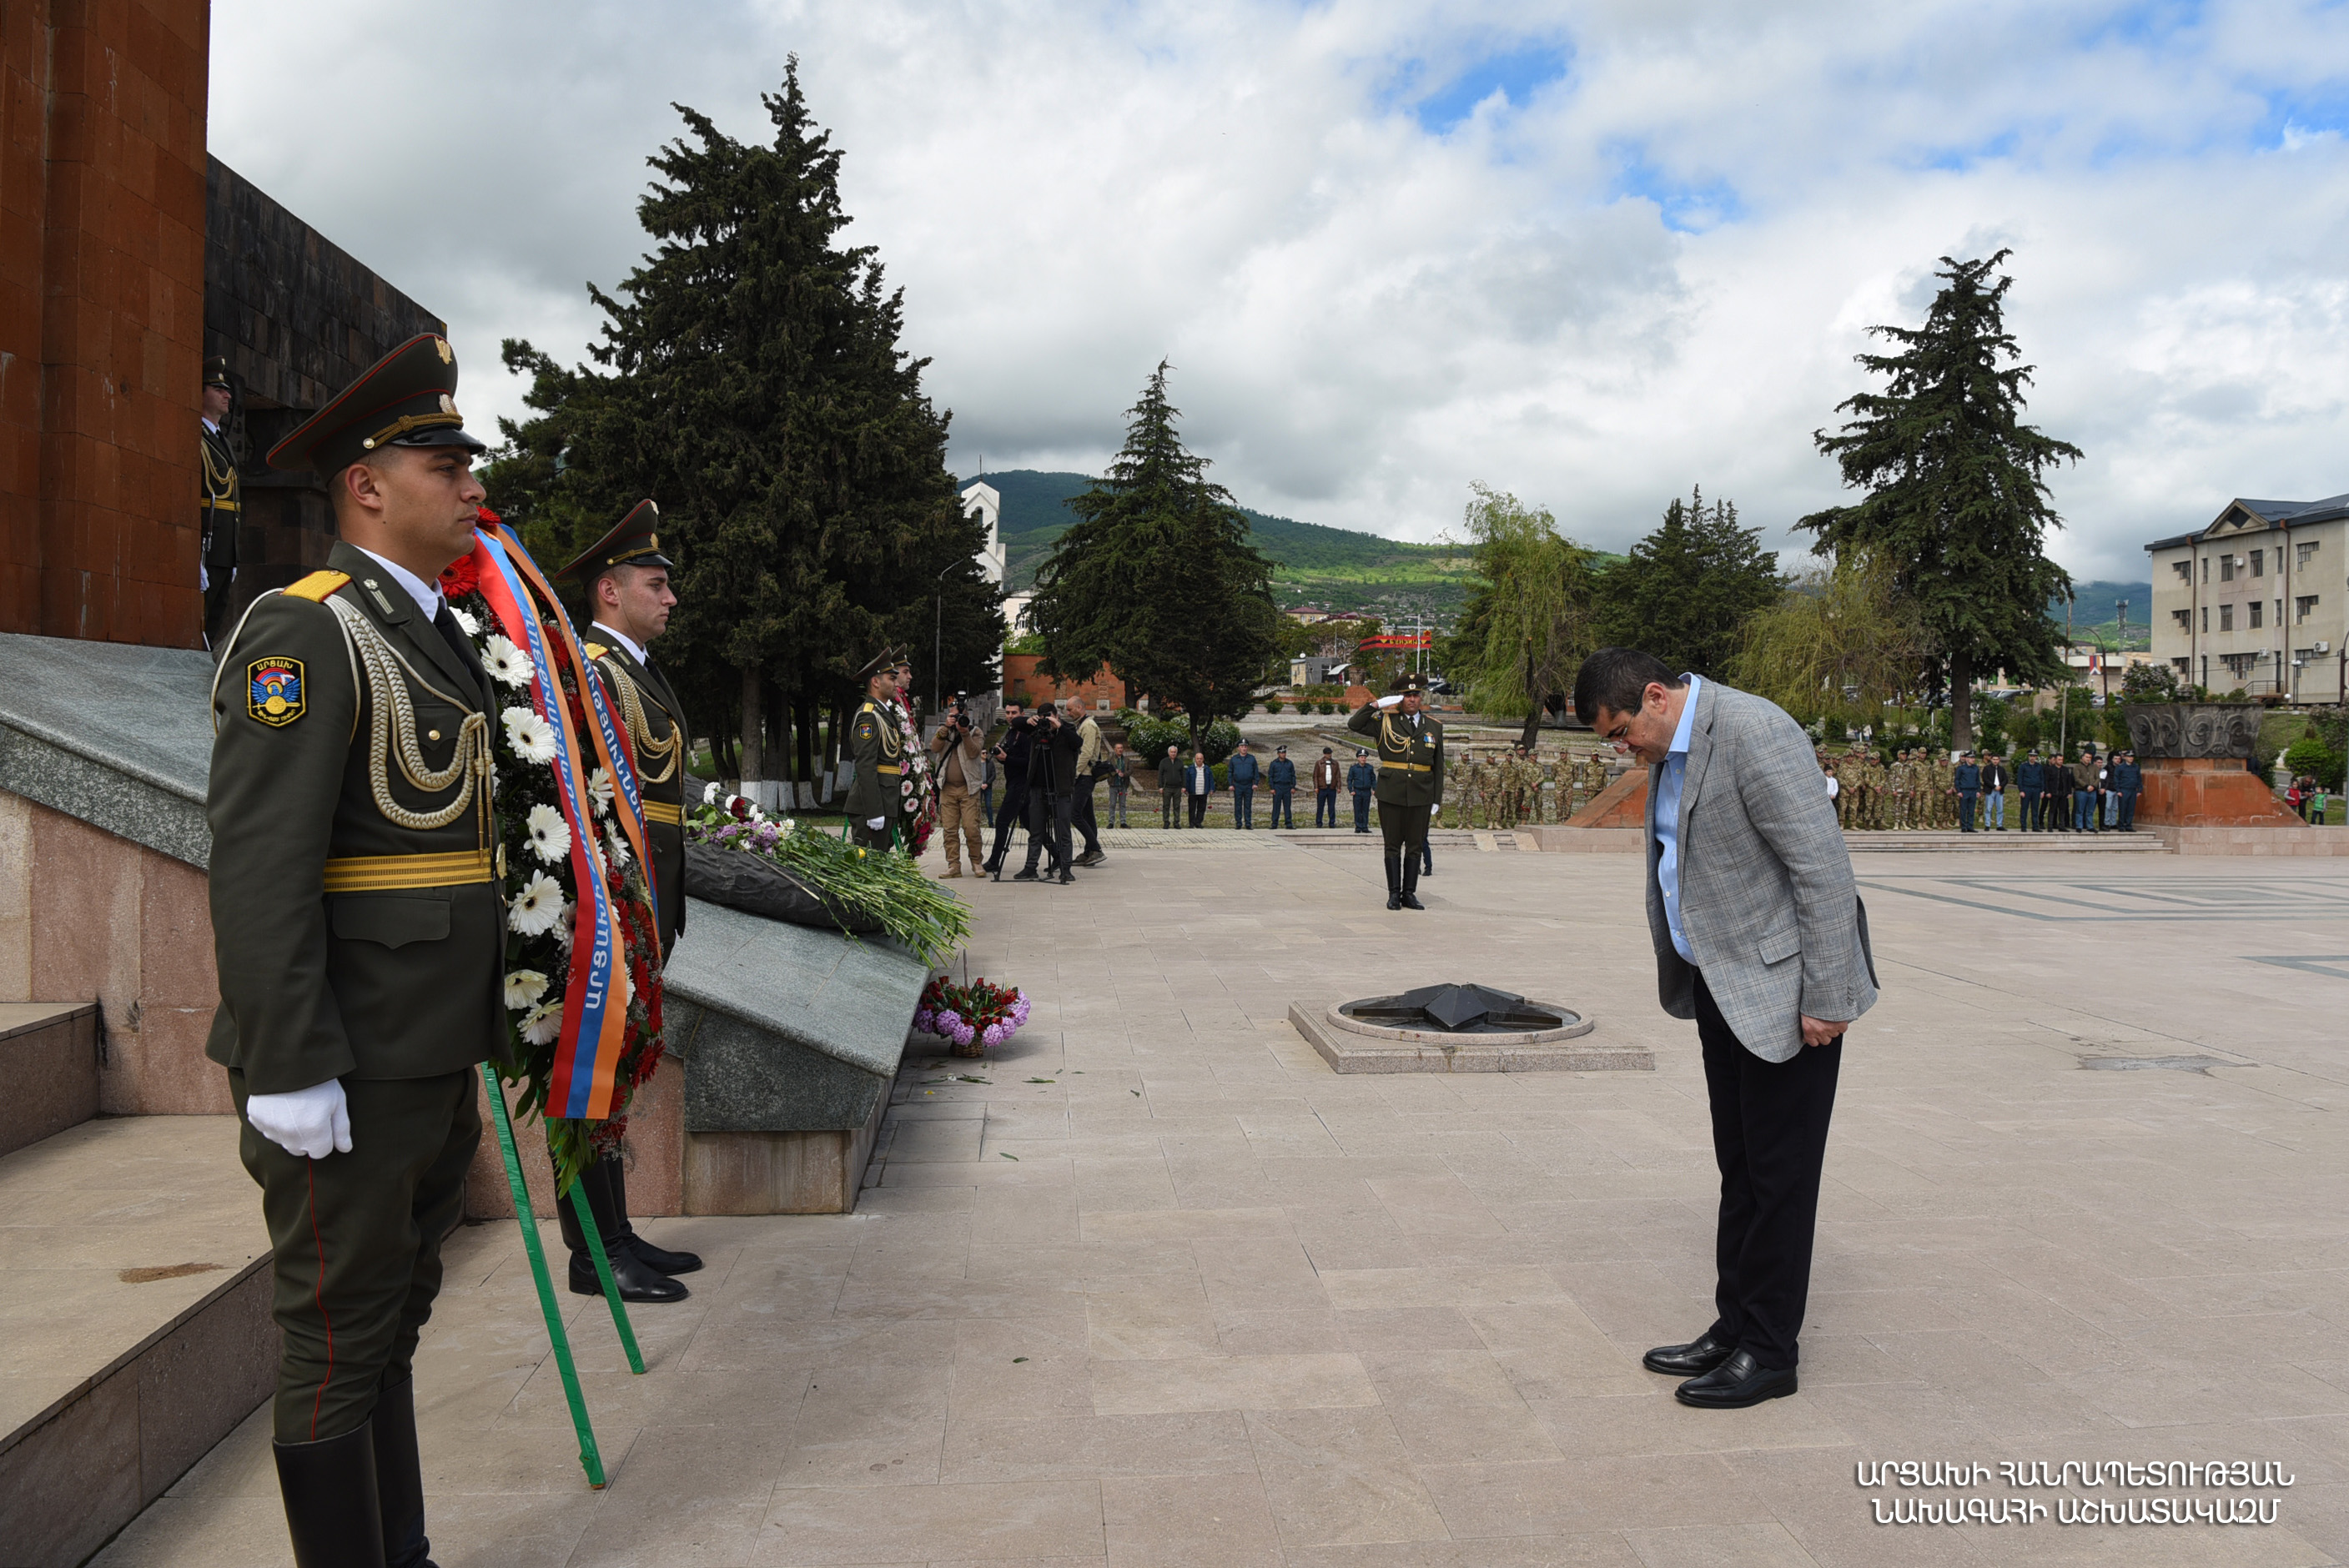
{"points": [[318, 586], [596, 650]]}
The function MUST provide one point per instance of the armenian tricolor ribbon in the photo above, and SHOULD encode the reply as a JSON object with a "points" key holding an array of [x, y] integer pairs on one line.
{"points": [[595, 1019]]}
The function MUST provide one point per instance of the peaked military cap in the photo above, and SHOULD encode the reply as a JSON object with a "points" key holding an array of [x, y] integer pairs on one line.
{"points": [[216, 371], [886, 660], [1410, 684], [407, 399], [635, 541]]}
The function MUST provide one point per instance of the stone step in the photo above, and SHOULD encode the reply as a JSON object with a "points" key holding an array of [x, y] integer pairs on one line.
{"points": [[134, 1285], [48, 1055], [2141, 843]]}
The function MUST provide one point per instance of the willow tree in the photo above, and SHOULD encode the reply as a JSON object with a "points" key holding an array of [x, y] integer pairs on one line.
{"points": [[1529, 618], [1840, 643], [1956, 499]]}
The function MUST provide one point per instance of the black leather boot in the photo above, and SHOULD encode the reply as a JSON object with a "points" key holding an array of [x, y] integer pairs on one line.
{"points": [[1394, 879], [1410, 883], [331, 1510], [399, 1477], [637, 1280], [662, 1261]]}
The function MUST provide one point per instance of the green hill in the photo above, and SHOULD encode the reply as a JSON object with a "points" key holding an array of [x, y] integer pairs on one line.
{"points": [[2095, 613], [1336, 567]]}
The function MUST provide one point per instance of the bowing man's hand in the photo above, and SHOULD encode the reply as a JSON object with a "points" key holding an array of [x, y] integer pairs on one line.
{"points": [[1819, 1031]]}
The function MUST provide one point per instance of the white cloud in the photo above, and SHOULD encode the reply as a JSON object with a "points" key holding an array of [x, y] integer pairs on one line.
{"points": [[1632, 245]]}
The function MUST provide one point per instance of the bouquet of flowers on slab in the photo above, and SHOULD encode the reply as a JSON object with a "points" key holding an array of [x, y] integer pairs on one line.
{"points": [[583, 989], [888, 889], [972, 1016]]}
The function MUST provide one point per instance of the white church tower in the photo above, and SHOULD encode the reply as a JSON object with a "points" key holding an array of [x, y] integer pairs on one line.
{"points": [[981, 500]]}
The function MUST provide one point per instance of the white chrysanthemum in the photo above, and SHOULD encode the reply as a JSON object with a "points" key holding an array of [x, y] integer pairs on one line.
{"points": [[465, 622], [545, 1022], [550, 835], [523, 989], [505, 662], [537, 907], [531, 737], [619, 846], [712, 793], [599, 790], [565, 928]]}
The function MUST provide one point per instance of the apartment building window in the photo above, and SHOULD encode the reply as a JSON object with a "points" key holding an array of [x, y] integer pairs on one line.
{"points": [[2238, 664], [2259, 562], [2185, 568], [2206, 617], [2206, 569], [2304, 606], [2303, 553], [2225, 617], [2183, 666], [2278, 604], [2256, 607], [2185, 619], [2302, 655], [2226, 569]]}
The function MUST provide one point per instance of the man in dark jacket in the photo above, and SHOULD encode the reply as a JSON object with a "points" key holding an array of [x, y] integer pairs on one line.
{"points": [[1325, 788], [1993, 788], [1363, 780], [2130, 783], [1198, 783], [1170, 789], [1011, 754], [1051, 792], [2087, 783], [1282, 777], [2030, 777], [2055, 800], [1968, 782], [1242, 774]]}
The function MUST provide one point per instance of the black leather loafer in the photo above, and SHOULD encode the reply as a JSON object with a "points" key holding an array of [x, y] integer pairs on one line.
{"points": [[1700, 1355], [1735, 1383]]}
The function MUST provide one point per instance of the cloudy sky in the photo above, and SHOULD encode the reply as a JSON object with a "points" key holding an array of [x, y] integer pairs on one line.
{"points": [[1592, 252]]}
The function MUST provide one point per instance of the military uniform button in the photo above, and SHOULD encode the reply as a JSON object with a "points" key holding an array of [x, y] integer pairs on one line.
{"points": [[431, 734]]}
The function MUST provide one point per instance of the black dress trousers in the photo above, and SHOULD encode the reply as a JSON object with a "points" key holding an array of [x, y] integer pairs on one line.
{"points": [[1770, 1139]]}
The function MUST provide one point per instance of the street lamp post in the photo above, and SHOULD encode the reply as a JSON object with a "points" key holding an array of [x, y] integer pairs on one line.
{"points": [[938, 638]]}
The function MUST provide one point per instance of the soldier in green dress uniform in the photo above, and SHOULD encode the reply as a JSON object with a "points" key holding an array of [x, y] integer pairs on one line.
{"points": [[877, 744], [629, 601], [360, 938], [1411, 780], [222, 504]]}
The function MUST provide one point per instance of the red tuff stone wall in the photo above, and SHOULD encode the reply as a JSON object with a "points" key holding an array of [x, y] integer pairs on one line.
{"points": [[101, 306], [2208, 792]]}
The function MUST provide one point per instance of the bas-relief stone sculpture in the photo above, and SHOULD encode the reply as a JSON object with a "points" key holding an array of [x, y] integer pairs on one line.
{"points": [[2176, 730]]}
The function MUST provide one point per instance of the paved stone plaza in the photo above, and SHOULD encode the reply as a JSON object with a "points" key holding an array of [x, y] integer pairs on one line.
{"points": [[1161, 1289]]}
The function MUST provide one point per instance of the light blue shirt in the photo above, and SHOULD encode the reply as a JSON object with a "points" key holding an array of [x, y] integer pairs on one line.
{"points": [[1668, 822]]}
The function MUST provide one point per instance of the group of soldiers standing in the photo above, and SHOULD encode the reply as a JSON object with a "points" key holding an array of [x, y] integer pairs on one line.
{"points": [[1915, 791], [1509, 786]]}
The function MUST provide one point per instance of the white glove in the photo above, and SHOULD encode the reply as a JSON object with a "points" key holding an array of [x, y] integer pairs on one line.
{"points": [[877, 823], [1390, 700], [313, 1123]]}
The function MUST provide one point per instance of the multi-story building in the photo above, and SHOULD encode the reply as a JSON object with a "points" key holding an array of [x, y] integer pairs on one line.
{"points": [[2259, 601]]}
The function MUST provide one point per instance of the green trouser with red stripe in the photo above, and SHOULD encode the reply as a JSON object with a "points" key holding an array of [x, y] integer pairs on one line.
{"points": [[357, 1242]]}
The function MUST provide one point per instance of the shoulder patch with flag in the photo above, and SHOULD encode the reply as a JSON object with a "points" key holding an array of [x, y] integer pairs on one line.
{"points": [[274, 691]]}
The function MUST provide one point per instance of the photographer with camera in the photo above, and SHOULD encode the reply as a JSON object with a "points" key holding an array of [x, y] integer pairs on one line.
{"points": [[1051, 791], [960, 770]]}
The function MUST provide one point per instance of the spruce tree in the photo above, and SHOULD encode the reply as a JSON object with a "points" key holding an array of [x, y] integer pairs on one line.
{"points": [[1957, 504], [752, 384], [1686, 589], [1157, 579]]}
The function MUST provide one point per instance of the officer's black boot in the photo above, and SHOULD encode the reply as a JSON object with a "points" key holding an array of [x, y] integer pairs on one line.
{"points": [[1410, 881], [1394, 879], [663, 1261], [331, 1510], [637, 1280], [399, 1477]]}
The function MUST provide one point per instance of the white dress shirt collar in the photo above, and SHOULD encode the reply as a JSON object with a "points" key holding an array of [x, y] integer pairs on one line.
{"points": [[1688, 717], [426, 594], [635, 648]]}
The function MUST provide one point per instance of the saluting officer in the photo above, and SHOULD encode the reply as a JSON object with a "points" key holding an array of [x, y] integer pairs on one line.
{"points": [[1411, 780], [360, 940], [878, 747], [222, 502], [629, 601]]}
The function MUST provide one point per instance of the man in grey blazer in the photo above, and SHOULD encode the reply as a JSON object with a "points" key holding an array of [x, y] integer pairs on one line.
{"points": [[1759, 937]]}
